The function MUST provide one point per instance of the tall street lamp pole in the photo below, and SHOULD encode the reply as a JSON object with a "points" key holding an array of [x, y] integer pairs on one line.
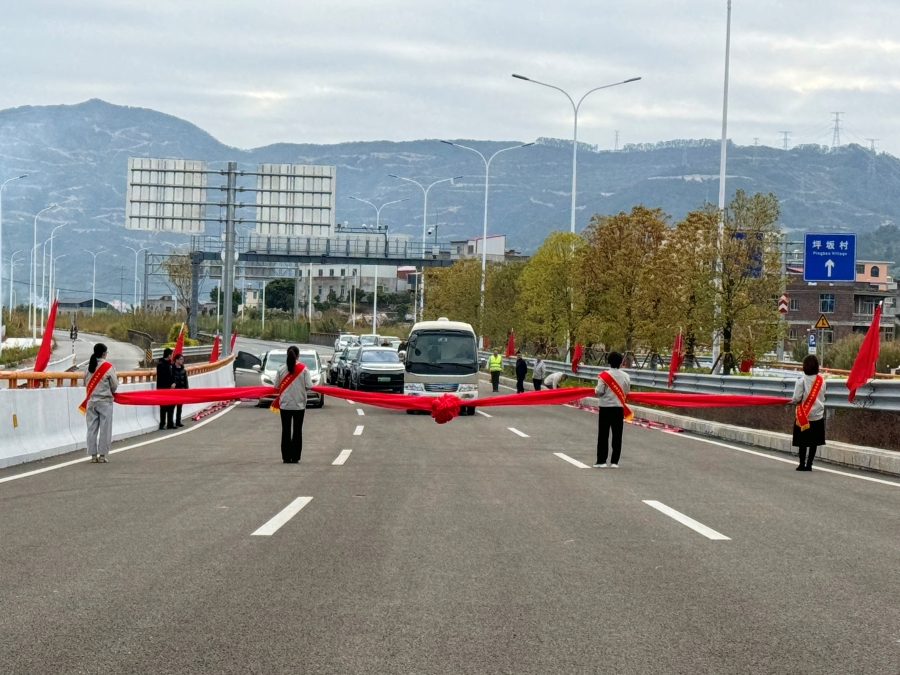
{"points": [[50, 275], [487, 174], [134, 304], [425, 192], [32, 287], [575, 108], [12, 269], [94, 282], [3, 185], [378, 229]]}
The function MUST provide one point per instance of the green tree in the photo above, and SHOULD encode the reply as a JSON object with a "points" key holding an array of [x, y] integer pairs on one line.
{"points": [[501, 313], [454, 291], [235, 298], [280, 294]]}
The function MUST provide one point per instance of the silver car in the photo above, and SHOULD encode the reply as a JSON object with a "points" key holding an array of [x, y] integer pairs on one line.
{"points": [[253, 371]]}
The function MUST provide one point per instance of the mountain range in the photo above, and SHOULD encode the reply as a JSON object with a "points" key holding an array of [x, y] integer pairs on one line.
{"points": [[76, 156]]}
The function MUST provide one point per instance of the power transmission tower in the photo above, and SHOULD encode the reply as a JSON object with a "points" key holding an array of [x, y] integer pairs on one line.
{"points": [[836, 139], [872, 143], [617, 142], [785, 134], [755, 146]]}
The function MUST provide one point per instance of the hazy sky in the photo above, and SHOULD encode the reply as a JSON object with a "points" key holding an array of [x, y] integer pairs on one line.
{"points": [[321, 71]]}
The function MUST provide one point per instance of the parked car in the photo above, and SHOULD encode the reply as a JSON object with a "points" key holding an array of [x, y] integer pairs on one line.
{"points": [[253, 371], [369, 340], [343, 340], [343, 370], [377, 369]]}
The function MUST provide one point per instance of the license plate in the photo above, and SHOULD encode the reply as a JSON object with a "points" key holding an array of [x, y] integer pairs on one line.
{"points": [[384, 379]]}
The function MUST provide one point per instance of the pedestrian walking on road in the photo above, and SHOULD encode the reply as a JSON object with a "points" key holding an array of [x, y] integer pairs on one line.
{"points": [[809, 417], [537, 375], [495, 365], [612, 389], [101, 382], [165, 379], [293, 384], [521, 372], [179, 373]]}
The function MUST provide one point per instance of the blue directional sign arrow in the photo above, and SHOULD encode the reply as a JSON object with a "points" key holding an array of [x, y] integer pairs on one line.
{"points": [[830, 257]]}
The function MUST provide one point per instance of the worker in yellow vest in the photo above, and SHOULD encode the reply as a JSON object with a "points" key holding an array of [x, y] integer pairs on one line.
{"points": [[495, 365]]}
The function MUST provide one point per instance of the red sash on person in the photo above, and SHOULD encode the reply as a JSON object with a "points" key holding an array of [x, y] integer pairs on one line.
{"points": [[102, 369], [804, 408], [616, 389], [285, 383]]}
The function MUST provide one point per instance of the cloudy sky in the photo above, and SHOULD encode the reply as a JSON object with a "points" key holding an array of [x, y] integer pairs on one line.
{"points": [[255, 72]]}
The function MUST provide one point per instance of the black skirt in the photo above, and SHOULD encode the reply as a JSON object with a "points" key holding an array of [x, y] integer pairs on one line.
{"points": [[812, 437]]}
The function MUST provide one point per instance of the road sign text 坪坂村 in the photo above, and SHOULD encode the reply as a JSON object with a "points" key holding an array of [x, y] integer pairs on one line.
{"points": [[830, 257]]}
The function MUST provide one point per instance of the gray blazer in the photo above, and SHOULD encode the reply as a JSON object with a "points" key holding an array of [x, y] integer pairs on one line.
{"points": [[607, 398], [106, 387], [801, 391], [294, 397]]}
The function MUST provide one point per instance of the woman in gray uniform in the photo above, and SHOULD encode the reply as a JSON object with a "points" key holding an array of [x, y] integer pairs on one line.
{"points": [[101, 382], [293, 383]]}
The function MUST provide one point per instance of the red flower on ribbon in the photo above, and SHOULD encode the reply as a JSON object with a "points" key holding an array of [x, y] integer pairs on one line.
{"points": [[444, 408]]}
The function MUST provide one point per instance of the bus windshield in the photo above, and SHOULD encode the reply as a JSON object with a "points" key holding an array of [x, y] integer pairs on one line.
{"points": [[442, 353]]}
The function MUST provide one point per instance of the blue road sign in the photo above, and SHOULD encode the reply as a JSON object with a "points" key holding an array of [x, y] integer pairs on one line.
{"points": [[811, 343], [830, 257]]}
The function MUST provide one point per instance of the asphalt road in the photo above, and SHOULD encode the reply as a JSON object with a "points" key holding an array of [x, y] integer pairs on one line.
{"points": [[462, 548], [124, 356]]}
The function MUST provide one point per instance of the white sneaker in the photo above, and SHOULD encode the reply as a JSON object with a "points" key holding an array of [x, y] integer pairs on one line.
{"points": [[614, 466]]}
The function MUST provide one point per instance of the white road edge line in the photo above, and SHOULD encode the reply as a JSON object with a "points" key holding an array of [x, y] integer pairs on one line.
{"points": [[483, 414], [360, 412], [518, 433], [707, 532], [571, 461], [127, 447], [341, 458], [283, 516], [358, 431]]}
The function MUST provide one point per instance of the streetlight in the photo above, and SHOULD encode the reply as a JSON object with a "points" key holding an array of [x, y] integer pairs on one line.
{"points": [[94, 282], [3, 185], [487, 174], [32, 287], [136, 252], [43, 259], [53, 262], [378, 229], [575, 107], [12, 270], [425, 207]]}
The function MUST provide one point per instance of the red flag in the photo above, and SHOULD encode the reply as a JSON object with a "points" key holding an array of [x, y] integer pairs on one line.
{"points": [[864, 365], [677, 358], [179, 341], [214, 354], [233, 338], [43, 357], [576, 357], [511, 345]]}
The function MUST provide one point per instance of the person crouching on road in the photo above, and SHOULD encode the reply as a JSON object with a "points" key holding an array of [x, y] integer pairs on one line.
{"points": [[165, 379], [101, 382], [292, 405], [181, 382], [495, 365], [537, 375], [809, 418], [611, 411], [554, 380], [521, 372]]}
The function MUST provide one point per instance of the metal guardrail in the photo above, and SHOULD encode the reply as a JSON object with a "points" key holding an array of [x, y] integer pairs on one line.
{"points": [[198, 350], [876, 395], [323, 339]]}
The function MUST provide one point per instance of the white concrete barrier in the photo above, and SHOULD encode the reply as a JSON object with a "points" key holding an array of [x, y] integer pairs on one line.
{"points": [[40, 423]]}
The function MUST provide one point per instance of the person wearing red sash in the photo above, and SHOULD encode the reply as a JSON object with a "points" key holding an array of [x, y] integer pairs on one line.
{"points": [[612, 389], [293, 384], [809, 415], [101, 383]]}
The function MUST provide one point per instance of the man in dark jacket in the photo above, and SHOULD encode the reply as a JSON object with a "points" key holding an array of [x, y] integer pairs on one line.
{"points": [[181, 382], [165, 379], [521, 372]]}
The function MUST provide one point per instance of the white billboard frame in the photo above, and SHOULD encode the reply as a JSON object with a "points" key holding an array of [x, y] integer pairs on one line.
{"points": [[166, 195], [295, 200]]}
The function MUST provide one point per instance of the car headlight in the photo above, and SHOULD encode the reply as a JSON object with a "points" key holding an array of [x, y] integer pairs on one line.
{"points": [[468, 387], [316, 379], [267, 380], [414, 386]]}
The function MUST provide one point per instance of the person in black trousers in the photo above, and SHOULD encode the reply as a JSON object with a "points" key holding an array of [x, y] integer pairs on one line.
{"points": [[292, 406], [165, 379], [611, 414], [521, 372], [179, 374]]}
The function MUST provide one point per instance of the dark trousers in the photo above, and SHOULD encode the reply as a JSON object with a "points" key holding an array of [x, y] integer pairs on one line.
{"points": [[611, 419], [495, 380], [807, 460], [538, 383], [520, 385], [166, 415], [178, 415], [291, 434]]}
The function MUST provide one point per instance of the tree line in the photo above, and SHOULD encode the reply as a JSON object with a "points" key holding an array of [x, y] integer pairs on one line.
{"points": [[630, 281]]}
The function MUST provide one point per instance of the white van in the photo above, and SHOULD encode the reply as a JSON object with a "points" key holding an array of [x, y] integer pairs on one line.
{"points": [[441, 357]]}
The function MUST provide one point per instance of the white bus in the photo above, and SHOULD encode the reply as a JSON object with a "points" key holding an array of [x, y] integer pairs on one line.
{"points": [[442, 358]]}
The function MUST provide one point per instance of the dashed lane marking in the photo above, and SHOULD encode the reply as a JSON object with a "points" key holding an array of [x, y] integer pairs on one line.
{"points": [[707, 532], [571, 461], [518, 433], [358, 431], [341, 458], [351, 402], [483, 414], [360, 412], [283, 516]]}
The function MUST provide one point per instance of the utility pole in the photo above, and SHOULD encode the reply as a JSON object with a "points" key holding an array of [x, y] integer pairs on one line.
{"points": [[785, 134], [616, 148], [121, 287], [228, 271], [755, 146], [836, 138]]}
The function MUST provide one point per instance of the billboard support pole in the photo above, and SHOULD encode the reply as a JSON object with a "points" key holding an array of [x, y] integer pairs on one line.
{"points": [[196, 261], [228, 271]]}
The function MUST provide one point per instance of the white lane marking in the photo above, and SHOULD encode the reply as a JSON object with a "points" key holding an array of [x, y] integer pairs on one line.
{"points": [[341, 458], [791, 461], [571, 461], [283, 516], [358, 430], [707, 532], [351, 402], [87, 458], [518, 433], [483, 414], [360, 412]]}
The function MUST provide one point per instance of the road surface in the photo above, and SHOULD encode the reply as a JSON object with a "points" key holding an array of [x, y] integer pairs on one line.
{"points": [[122, 355], [470, 547]]}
